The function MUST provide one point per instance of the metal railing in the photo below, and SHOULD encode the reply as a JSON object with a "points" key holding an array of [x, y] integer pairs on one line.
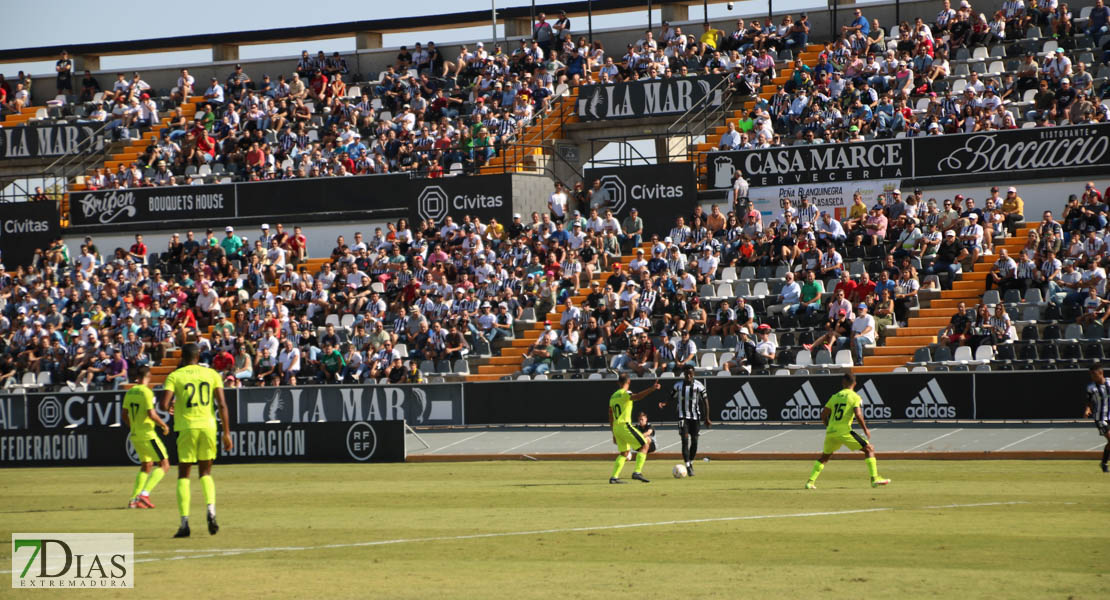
{"points": [[699, 119]]}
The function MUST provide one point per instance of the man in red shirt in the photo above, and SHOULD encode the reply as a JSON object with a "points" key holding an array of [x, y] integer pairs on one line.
{"points": [[138, 250], [846, 284], [864, 288], [296, 246]]}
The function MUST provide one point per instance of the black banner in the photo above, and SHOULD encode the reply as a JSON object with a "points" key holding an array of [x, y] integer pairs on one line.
{"points": [[1026, 153], [197, 204], [24, 228], [484, 197], [48, 140], [320, 195], [923, 160], [816, 163], [189, 203], [361, 441], [439, 404], [659, 192], [1032, 395], [648, 98]]}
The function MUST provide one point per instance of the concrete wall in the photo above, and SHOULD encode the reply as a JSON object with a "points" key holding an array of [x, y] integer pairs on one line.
{"points": [[369, 62], [530, 193]]}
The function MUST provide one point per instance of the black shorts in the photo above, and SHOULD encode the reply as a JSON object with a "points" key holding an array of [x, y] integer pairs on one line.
{"points": [[1103, 427], [689, 427]]}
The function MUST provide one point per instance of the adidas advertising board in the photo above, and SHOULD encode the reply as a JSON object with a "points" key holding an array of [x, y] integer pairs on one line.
{"points": [[485, 197], [902, 396], [24, 228], [659, 192], [648, 98], [743, 406]]}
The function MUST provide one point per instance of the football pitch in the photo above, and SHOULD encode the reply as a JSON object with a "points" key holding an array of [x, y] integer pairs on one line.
{"points": [[523, 529]]}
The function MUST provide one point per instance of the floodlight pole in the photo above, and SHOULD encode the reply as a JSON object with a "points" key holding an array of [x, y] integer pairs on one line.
{"points": [[493, 18], [590, 19], [649, 15], [705, 11]]}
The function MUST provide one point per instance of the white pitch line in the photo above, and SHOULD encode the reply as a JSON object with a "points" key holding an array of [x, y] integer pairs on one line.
{"points": [[1096, 447], [457, 442], [1028, 437], [542, 437], [214, 553], [593, 446], [761, 441], [933, 440], [704, 433]]}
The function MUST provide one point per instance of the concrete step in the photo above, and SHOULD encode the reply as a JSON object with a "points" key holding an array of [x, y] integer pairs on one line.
{"points": [[911, 341], [931, 322], [894, 361]]}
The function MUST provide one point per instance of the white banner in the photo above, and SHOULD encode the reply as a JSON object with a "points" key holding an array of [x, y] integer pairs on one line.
{"points": [[833, 197]]}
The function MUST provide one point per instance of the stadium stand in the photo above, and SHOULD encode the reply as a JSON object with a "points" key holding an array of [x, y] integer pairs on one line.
{"points": [[727, 303]]}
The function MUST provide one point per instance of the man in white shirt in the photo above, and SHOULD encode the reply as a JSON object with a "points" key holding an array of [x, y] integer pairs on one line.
{"points": [[863, 333], [208, 305], [290, 361], [215, 93], [557, 203], [730, 140]]}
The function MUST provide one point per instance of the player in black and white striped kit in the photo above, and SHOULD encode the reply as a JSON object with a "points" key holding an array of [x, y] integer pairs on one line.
{"points": [[1098, 408], [693, 406]]}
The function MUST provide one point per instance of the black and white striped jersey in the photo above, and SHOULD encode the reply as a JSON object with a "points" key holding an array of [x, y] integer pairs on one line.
{"points": [[1098, 395], [689, 398]]}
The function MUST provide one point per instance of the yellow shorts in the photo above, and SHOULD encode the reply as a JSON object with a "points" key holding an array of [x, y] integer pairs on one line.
{"points": [[853, 440], [628, 437], [149, 451], [195, 445]]}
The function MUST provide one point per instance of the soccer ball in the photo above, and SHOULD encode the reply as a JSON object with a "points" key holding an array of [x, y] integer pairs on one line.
{"points": [[679, 471]]}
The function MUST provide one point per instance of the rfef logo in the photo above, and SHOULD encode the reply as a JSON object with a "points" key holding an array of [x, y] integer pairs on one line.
{"points": [[432, 203], [73, 560]]}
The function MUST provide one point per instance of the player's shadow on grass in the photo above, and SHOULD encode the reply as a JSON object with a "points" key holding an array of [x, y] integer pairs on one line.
{"points": [[66, 509], [527, 485]]}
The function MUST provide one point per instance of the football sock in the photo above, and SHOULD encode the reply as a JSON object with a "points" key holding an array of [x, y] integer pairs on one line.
{"points": [[693, 447], [618, 465], [209, 493], [1106, 454], [140, 480], [818, 466], [686, 449], [641, 458], [183, 496], [872, 467], [155, 476]]}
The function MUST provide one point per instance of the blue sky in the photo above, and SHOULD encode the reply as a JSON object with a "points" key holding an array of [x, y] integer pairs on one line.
{"points": [[63, 22]]}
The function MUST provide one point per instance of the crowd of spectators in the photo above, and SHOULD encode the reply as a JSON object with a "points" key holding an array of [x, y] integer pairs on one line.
{"points": [[959, 74]]}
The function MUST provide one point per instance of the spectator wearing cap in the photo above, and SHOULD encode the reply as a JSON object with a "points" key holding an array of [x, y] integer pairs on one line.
{"points": [[1013, 208], [231, 244], [862, 333]]}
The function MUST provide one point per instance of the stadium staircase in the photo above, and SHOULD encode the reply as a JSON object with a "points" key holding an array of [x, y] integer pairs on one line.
{"points": [[933, 315], [527, 153], [921, 330]]}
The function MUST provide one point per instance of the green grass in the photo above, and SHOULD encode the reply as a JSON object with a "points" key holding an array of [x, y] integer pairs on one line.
{"points": [[1054, 544]]}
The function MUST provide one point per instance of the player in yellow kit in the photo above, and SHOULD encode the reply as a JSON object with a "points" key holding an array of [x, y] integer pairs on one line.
{"points": [[841, 409], [625, 436], [197, 392], [139, 414]]}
